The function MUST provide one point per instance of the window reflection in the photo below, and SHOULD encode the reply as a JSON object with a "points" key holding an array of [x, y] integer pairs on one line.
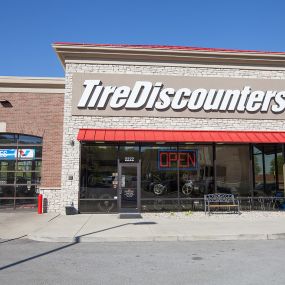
{"points": [[198, 181], [157, 182], [279, 171], [24, 139], [268, 170], [129, 153], [8, 139], [98, 171], [270, 173], [20, 168], [232, 169], [258, 171]]}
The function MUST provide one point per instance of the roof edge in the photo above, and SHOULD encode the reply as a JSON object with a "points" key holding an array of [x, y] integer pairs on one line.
{"points": [[30, 84], [165, 47], [167, 54]]}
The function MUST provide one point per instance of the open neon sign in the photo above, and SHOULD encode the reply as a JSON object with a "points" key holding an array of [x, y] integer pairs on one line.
{"points": [[181, 159]]}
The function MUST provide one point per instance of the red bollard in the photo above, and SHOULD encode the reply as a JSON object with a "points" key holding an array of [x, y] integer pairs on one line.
{"points": [[40, 203]]}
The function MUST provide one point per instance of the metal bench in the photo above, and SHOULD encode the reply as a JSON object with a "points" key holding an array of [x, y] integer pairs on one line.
{"points": [[221, 200]]}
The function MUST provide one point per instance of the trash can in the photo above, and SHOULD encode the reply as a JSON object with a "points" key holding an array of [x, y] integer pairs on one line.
{"points": [[70, 210]]}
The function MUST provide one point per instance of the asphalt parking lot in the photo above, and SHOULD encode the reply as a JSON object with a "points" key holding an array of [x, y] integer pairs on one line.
{"points": [[28, 262]]}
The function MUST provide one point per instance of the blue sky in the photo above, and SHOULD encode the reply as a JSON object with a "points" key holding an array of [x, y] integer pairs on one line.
{"points": [[28, 28]]}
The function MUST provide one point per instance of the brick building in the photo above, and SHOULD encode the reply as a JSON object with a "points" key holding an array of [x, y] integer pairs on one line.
{"points": [[32, 107], [145, 128]]}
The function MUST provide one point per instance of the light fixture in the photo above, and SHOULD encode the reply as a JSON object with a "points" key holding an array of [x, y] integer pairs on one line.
{"points": [[5, 103]]}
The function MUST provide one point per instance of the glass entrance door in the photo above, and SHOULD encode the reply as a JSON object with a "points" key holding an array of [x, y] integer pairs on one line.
{"points": [[129, 187]]}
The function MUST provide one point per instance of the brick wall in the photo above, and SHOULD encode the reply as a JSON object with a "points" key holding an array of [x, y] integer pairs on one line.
{"points": [[40, 115]]}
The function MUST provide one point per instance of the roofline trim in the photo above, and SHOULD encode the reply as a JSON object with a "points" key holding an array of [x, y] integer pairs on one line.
{"points": [[32, 83], [164, 54], [165, 47]]}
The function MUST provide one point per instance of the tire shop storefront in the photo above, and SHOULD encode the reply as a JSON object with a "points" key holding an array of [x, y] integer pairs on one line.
{"points": [[156, 128]]}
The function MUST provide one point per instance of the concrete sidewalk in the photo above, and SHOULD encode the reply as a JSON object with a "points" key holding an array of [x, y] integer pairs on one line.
{"points": [[19, 224], [151, 227]]}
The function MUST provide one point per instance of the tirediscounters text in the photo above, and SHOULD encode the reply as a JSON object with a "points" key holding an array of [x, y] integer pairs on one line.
{"points": [[146, 95]]}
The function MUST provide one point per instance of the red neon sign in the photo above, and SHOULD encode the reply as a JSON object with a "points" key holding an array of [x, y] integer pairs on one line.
{"points": [[186, 159]]}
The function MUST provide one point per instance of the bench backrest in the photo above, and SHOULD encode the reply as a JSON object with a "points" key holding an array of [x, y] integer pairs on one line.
{"points": [[220, 197]]}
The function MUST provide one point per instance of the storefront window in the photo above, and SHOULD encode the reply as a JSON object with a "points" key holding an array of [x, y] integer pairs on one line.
{"points": [[258, 171], [268, 170], [279, 171], [20, 169], [232, 169], [98, 173], [8, 138], [197, 180], [159, 181], [173, 176]]}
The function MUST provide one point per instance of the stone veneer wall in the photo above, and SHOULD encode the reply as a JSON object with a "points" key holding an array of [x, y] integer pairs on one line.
{"points": [[71, 154], [52, 199]]}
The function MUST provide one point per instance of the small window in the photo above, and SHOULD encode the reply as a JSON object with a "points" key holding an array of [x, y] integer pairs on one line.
{"points": [[8, 138], [24, 139]]}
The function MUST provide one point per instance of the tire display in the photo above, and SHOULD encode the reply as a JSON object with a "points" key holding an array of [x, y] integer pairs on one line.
{"points": [[188, 188], [106, 204], [159, 189]]}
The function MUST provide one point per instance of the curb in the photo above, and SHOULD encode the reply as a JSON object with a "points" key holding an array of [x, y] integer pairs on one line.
{"points": [[277, 236]]}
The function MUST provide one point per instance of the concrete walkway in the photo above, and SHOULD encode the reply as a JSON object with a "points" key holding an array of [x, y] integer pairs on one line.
{"points": [[151, 227]]}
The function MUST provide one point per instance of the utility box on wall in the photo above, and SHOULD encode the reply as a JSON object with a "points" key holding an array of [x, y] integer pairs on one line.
{"points": [[2, 127]]}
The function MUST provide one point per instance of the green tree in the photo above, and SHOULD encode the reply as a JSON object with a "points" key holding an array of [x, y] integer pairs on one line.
{"points": [[257, 168], [280, 162]]}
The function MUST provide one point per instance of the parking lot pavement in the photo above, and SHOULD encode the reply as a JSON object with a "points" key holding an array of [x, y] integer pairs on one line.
{"points": [[28, 262]]}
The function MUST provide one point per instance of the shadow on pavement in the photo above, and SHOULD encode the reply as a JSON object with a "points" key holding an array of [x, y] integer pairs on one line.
{"points": [[76, 241], [13, 239]]}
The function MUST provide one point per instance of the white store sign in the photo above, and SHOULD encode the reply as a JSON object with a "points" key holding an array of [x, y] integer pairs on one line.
{"points": [[146, 95], [177, 96]]}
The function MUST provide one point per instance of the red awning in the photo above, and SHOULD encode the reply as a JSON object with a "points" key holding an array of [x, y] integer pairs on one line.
{"points": [[123, 135]]}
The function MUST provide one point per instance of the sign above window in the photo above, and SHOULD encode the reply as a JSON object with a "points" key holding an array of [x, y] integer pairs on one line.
{"points": [[177, 96]]}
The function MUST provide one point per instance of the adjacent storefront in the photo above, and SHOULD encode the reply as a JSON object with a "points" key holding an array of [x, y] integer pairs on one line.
{"points": [[31, 127]]}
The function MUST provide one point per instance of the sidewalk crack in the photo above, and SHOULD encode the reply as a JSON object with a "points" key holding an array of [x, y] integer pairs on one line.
{"points": [[82, 226], [53, 218]]}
